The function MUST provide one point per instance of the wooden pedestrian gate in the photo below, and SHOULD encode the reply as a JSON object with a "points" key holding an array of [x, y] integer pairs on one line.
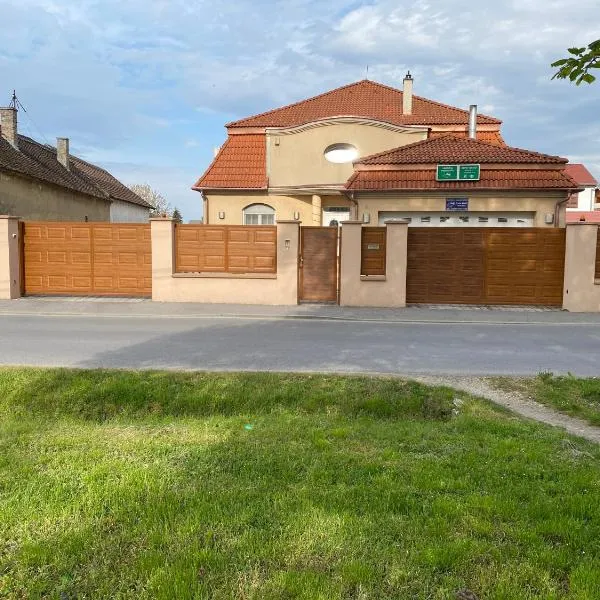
{"points": [[318, 265], [490, 266], [87, 259]]}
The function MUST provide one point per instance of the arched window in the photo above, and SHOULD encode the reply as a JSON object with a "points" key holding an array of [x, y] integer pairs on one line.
{"points": [[259, 214]]}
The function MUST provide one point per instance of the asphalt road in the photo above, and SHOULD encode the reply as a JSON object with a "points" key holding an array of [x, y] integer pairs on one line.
{"points": [[299, 345]]}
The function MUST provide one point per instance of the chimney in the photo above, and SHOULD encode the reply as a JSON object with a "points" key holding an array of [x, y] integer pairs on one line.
{"points": [[407, 96], [8, 126], [62, 152], [473, 121]]}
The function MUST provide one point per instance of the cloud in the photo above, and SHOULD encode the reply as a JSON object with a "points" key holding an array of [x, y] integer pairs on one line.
{"points": [[137, 81]]}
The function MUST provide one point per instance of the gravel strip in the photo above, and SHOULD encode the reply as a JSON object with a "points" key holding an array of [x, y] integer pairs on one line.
{"points": [[515, 402]]}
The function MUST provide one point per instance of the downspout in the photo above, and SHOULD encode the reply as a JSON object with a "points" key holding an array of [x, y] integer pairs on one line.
{"points": [[350, 195], [557, 209], [205, 211]]}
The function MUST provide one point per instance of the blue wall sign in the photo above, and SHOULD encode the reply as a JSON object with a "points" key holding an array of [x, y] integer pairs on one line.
{"points": [[457, 204]]}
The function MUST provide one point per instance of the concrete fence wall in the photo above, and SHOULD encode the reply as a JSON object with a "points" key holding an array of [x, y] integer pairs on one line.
{"points": [[280, 288], [373, 290], [581, 288]]}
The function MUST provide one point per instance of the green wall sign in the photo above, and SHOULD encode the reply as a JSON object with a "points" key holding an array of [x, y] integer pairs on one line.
{"points": [[458, 172], [447, 172]]}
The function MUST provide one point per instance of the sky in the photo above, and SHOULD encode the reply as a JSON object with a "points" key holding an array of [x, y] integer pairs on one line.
{"points": [[145, 87]]}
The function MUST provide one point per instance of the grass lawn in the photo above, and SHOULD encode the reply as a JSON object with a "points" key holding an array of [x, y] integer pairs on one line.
{"points": [[265, 486], [574, 396]]}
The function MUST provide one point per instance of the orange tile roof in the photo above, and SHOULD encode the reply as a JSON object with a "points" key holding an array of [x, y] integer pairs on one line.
{"points": [[580, 216], [491, 179], [367, 99], [451, 149], [580, 174], [240, 164], [492, 137]]}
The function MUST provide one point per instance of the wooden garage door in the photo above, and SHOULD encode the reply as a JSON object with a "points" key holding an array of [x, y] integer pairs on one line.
{"points": [[495, 266], [318, 264], [445, 265], [87, 259], [525, 266]]}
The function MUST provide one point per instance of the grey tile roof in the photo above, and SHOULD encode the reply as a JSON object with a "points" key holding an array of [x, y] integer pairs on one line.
{"points": [[38, 161]]}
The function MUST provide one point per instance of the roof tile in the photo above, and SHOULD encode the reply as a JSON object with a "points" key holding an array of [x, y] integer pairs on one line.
{"points": [[496, 179], [492, 137], [580, 174], [450, 149], [367, 99], [39, 161], [240, 164]]}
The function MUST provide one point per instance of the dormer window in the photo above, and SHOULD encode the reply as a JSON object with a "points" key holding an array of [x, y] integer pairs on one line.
{"points": [[341, 153]]}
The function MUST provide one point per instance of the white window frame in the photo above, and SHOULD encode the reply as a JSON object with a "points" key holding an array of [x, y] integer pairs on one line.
{"points": [[259, 214]]}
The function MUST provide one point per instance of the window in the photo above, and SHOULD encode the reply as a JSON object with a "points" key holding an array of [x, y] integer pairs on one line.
{"points": [[259, 214], [464, 219], [425, 219], [483, 219], [444, 219], [341, 153], [502, 220]]}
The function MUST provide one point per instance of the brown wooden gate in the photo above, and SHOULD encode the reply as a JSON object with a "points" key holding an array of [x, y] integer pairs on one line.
{"points": [[87, 259], [495, 266], [318, 266]]}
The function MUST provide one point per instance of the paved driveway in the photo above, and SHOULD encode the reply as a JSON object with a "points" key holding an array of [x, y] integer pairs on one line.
{"points": [[259, 343]]}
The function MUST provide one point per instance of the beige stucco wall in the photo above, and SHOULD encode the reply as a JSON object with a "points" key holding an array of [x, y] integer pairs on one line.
{"points": [[540, 204], [281, 289], [233, 204], [36, 201], [581, 293], [10, 244], [295, 156], [388, 290]]}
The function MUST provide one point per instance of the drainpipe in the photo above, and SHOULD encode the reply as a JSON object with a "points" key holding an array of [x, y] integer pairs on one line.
{"points": [[557, 209], [350, 195]]}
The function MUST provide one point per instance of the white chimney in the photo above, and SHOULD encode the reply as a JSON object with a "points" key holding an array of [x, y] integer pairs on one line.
{"points": [[216, 150], [473, 121], [62, 152], [8, 126], [407, 96]]}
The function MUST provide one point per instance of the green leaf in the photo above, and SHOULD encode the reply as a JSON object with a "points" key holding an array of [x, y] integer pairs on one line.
{"points": [[588, 78], [560, 62]]}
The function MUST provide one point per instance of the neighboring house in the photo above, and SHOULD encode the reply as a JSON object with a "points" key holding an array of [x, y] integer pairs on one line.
{"points": [[303, 162], [584, 202], [39, 182]]}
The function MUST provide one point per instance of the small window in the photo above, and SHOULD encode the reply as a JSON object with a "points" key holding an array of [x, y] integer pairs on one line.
{"points": [[464, 219], [425, 219], [483, 219], [444, 219], [341, 153], [502, 220], [259, 214]]}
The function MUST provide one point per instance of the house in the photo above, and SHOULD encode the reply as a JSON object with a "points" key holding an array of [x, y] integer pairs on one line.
{"points": [[582, 204], [40, 182], [369, 151]]}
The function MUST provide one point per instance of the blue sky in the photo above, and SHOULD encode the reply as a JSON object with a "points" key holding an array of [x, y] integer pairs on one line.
{"points": [[144, 87]]}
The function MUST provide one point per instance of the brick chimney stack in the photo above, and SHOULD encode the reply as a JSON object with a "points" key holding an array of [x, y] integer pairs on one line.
{"points": [[407, 96], [8, 126], [62, 152]]}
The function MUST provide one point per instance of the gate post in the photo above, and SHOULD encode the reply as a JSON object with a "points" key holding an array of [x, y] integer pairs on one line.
{"points": [[162, 231], [10, 258], [581, 289]]}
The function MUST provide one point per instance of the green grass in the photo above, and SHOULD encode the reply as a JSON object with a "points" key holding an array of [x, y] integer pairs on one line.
{"points": [[265, 486], [578, 397]]}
